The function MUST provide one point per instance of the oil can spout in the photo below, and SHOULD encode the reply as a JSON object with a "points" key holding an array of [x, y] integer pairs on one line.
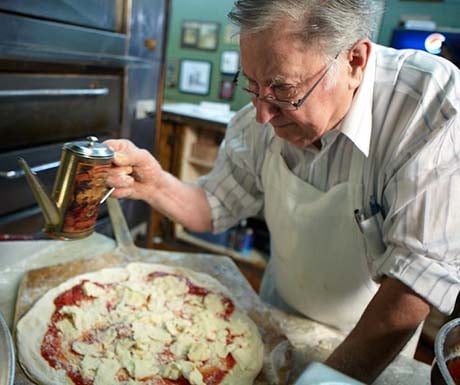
{"points": [[49, 208]]}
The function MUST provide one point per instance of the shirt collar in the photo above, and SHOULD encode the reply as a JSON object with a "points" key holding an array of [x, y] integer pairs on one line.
{"points": [[357, 124]]}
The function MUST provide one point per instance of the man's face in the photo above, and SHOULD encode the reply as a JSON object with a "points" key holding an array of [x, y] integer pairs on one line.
{"points": [[274, 58]]}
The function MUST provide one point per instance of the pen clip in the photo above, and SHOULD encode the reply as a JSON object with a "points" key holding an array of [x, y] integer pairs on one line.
{"points": [[359, 217], [375, 207]]}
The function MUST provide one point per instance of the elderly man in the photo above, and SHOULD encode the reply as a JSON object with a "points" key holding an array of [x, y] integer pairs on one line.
{"points": [[351, 152]]}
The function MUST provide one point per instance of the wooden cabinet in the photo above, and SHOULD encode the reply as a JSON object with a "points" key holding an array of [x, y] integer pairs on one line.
{"points": [[187, 146]]}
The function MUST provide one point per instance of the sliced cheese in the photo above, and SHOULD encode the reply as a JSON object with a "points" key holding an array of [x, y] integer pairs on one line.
{"points": [[87, 317], [93, 290], [199, 352], [68, 329], [89, 366], [106, 372], [133, 298], [214, 303], [83, 348], [144, 331], [145, 367], [195, 377], [171, 371]]}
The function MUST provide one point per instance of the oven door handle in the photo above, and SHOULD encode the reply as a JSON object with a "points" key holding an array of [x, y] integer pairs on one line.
{"points": [[55, 92], [14, 174]]}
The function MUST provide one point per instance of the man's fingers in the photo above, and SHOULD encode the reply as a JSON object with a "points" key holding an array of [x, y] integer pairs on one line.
{"points": [[127, 154], [124, 151], [125, 192], [120, 179], [122, 159], [118, 144], [121, 170]]}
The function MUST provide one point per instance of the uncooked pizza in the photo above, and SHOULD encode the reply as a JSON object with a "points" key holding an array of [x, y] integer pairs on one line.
{"points": [[143, 324]]}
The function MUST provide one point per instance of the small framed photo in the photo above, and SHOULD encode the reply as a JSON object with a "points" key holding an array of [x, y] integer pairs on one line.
{"points": [[202, 35], [227, 89], [209, 36], [190, 34], [195, 76], [229, 62], [231, 34], [171, 73]]}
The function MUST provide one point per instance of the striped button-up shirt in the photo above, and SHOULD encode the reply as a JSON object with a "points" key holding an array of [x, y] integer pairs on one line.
{"points": [[405, 119]]}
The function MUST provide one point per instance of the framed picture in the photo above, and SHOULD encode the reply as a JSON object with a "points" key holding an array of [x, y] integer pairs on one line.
{"points": [[227, 89], [190, 33], [202, 35], [229, 62], [195, 76], [231, 34], [171, 73], [209, 34]]}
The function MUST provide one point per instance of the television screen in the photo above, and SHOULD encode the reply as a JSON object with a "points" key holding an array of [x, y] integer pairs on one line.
{"points": [[442, 43]]}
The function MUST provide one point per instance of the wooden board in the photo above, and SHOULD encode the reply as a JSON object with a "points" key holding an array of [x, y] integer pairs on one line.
{"points": [[278, 350]]}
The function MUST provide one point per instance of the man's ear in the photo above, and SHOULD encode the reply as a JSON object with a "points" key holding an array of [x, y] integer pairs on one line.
{"points": [[358, 57]]}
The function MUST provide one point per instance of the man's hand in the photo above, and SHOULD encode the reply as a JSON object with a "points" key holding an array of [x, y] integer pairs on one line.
{"points": [[136, 173], [385, 327]]}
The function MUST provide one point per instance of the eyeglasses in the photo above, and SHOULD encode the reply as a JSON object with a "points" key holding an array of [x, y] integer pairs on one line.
{"points": [[282, 94]]}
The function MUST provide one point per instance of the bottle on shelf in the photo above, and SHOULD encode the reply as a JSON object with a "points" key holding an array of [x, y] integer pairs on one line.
{"points": [[241, 238]]}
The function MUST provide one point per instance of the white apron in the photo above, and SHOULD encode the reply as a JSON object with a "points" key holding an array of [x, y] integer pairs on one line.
{"points": [[318, 264]]}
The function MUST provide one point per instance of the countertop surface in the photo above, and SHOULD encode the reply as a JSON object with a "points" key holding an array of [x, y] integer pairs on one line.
{"points": [[214, 112], [311, 340]]}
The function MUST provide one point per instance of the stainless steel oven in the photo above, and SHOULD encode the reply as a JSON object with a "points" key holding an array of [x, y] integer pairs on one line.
{"points": [[69, 69]]}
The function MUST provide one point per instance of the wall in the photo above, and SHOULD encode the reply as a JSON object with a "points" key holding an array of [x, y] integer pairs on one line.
{"points": [[201, 10], [444, 13]]}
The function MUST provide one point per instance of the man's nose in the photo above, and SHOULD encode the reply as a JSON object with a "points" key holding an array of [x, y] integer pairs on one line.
{"points": [[264, 111]]}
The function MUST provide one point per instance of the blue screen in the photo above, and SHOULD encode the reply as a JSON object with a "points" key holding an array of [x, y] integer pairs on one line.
{"points": [[428, 41]]}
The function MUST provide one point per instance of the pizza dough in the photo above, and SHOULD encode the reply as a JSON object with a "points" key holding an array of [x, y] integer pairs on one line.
{"points": [[143, 324]]}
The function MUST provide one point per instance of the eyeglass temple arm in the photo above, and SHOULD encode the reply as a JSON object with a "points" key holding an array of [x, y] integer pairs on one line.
{"points": [[301, 100]]}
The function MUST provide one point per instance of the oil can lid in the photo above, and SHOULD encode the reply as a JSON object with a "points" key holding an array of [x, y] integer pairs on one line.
{"points": [[90, 148]]}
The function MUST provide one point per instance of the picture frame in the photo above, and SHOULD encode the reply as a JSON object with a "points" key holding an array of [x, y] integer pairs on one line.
{"points": [[195, 76], [229, 62], [231, 34], [208, 36], [203, 35], [171, 73], [227, 89], [189, 34]]}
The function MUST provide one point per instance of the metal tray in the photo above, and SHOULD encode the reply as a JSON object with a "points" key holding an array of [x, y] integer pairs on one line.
{"points": [[6, 354], [446, 347]]}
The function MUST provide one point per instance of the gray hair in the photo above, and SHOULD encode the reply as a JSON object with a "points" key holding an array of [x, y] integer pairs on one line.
{"points": [[332, 24]]}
